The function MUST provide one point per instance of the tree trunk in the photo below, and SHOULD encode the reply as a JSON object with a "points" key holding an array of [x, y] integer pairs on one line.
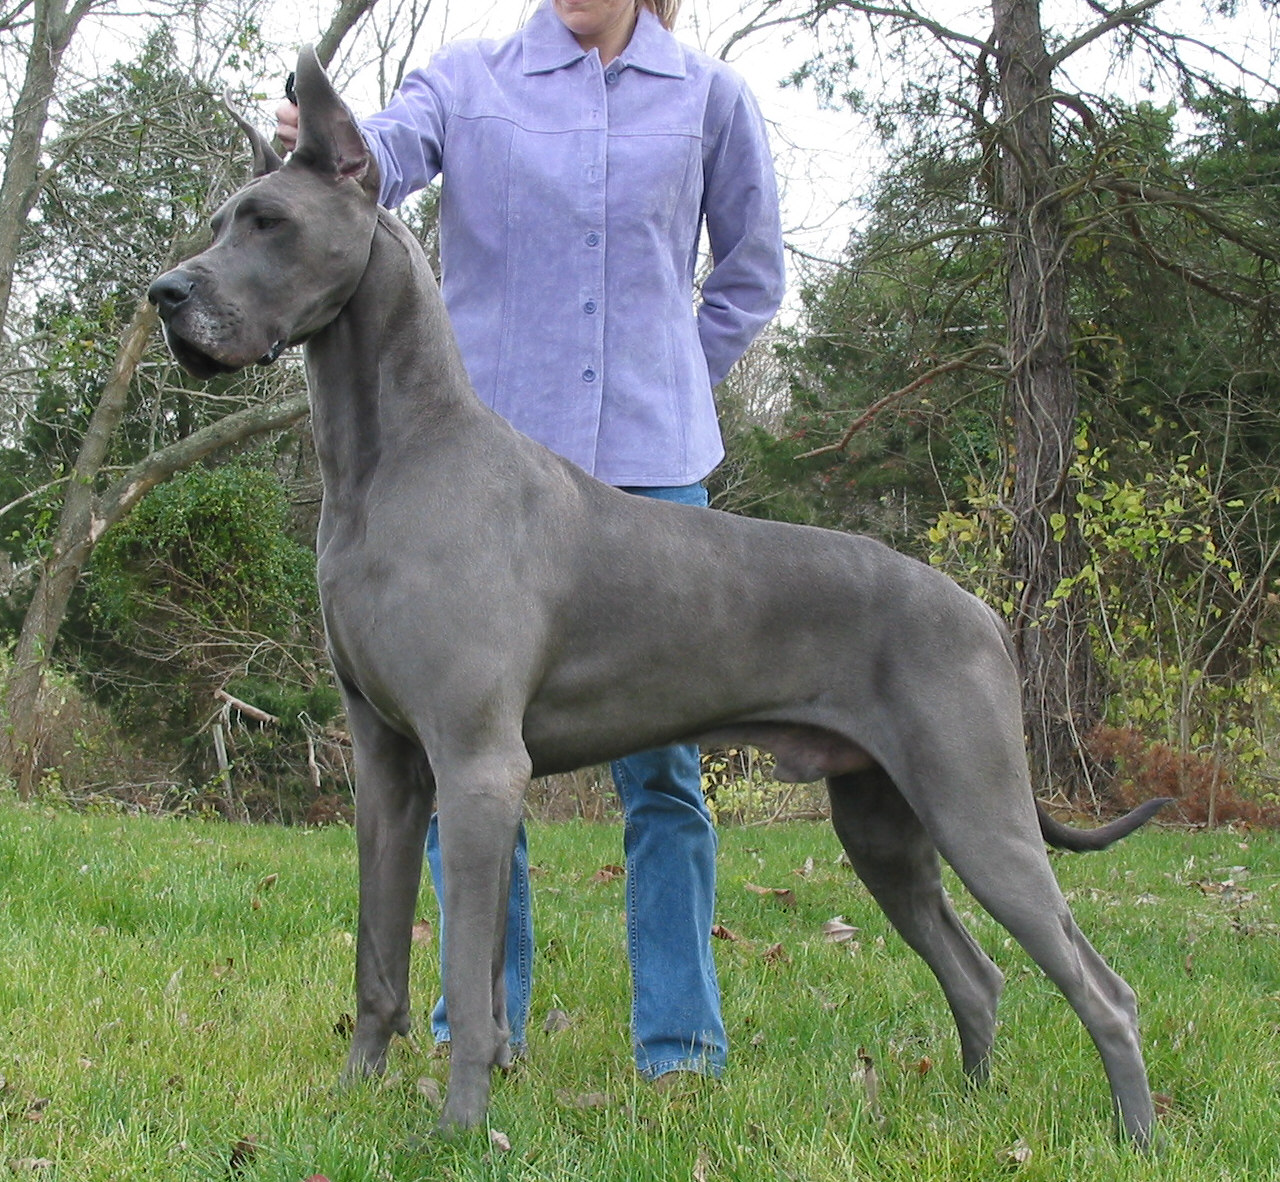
{"points": [[51, 30], [1061, 683], [60, 570]]}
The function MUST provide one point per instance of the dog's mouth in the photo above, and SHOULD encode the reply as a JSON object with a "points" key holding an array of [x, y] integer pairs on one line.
{"points": [[196, 362], [202, 365]]}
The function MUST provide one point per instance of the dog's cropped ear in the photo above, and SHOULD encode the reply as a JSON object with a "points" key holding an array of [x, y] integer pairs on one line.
{"points": [[265, 159], [328, 138]]}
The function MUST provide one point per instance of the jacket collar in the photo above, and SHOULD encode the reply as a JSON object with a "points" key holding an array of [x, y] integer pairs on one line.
{"points": [[549, 46]]}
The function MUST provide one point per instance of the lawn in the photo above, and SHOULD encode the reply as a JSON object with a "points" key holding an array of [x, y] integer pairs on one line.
{"points": [[175, 999]]}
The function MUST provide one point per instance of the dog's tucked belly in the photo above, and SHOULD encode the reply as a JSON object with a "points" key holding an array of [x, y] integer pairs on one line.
{"points": [[802, 752]]}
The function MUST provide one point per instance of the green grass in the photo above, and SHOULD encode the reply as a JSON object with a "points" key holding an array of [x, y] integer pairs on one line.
{"points": [[161, 1000]]}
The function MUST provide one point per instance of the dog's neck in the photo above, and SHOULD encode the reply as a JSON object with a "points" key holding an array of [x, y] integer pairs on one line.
{"points": [[380, 391]]}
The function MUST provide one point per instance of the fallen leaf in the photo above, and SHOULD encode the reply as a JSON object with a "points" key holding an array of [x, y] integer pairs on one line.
{"points": [[784, 895], [557, 1022], [838, 931], [701, 1166], [499, 1140], [243, 1152], [422, 932], [775, 954], [1018, 1154], [267, 883], [315, 1178], [1164, 1104], [345, 1026], [924, 1066], [870, 1085], [608, 873], [720, 932], [806, 869], [28, 1165]]}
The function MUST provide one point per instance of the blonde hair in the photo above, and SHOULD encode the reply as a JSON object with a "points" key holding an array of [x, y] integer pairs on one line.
{"points": [[664, 10]]}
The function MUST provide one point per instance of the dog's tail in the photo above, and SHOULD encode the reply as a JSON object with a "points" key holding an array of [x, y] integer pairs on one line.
{"points": [[1083, 840]]}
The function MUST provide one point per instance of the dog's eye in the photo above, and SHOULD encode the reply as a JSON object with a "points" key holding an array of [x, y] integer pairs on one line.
{"points": [[264, 221]]}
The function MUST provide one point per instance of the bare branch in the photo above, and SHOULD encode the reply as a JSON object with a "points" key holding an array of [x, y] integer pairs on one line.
{"points": [[130, 488], [964, 361], [1184, 200], [911, 17], [35, 492], [1186, 273], [1122, 16], [244, 708], [344, 19]]}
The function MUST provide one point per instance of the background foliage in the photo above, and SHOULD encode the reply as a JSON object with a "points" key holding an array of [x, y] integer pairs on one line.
{"points": [[201, 590]]}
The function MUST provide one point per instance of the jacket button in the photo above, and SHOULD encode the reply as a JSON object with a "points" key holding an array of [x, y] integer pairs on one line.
{"points": [[592, 239], [589, 307], [588, 375]]}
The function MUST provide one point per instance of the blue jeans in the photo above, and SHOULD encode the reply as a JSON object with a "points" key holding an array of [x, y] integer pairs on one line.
{"points": [[670, 848]]}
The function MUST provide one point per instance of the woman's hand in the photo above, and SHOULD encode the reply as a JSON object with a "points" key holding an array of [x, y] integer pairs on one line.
{"points": [[287, 125]]}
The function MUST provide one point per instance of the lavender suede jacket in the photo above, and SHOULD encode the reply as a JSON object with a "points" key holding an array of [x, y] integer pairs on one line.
{"points": [[572, 202]]}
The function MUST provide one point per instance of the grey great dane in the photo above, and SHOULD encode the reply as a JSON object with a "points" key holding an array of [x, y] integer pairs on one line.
{"points": [[481, 598]]}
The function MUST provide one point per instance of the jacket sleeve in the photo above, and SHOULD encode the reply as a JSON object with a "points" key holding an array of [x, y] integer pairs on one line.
{"points": [[407, 136], [740, 204]]}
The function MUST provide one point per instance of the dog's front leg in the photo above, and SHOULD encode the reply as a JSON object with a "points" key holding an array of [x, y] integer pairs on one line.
{"points": [[479, 808], [394, 796]]}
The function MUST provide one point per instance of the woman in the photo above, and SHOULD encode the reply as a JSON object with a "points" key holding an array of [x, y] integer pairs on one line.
{"points": [[581, 158]]}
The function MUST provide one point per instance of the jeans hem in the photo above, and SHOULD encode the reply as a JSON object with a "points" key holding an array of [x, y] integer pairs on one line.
{"points": [[699, 1066]]}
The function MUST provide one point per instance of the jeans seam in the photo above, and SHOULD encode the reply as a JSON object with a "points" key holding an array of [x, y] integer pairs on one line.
{"points": [[525, 967], [620, 773]]}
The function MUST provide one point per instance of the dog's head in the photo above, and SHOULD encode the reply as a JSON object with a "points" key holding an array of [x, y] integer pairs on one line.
{"points": [[288, 249]]}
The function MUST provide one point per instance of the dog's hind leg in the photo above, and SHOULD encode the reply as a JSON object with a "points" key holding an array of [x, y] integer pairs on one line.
{"points": [[394, 792], [894, 855], [480, 800], [989, 833]]}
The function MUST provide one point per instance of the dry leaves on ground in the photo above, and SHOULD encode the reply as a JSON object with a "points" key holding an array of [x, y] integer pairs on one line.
{"points": [[784, 895], [557, 1022], [838, 931]]}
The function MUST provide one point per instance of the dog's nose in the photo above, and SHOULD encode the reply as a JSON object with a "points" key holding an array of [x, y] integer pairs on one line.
{"points": [[170, 292]]}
